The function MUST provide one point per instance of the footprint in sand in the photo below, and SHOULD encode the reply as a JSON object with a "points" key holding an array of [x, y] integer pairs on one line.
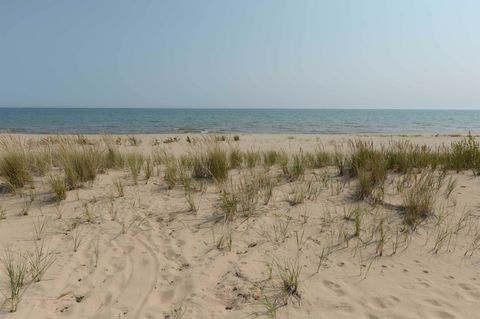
{"points": [[470, 290], [384, 302], [334, 287], [444, 315]]}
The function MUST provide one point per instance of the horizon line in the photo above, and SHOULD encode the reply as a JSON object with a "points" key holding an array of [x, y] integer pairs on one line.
{"points": [[244, 108]]}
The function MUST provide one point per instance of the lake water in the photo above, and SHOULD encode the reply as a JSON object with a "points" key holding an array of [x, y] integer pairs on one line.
{"points": [[129, 121]]}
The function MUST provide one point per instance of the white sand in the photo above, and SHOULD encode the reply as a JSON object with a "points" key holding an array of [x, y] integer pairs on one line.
{"points": [[169, 260]]}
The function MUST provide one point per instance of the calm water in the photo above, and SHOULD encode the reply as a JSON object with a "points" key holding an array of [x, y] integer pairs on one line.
{"points": [[117, 121]]}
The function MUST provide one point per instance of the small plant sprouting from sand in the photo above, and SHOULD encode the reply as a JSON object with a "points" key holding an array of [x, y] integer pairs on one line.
{"points": [[2, 213], [16, 271], [450, 188], [39, 227], [177, 313], [134, 223], [225, 241], [280, 230], [289, 276], [111, 209], [326, 251], [88, 212], [189, 192], [297, 194], [59, 210], [381, 238], [357, 215], [119, 187], [475, 242], [270, 307], [39, 261], [27, 203], [96, 252], [77, 237]]}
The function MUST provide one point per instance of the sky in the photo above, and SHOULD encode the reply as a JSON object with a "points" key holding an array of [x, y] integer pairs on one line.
{"points": [[234, 54]]}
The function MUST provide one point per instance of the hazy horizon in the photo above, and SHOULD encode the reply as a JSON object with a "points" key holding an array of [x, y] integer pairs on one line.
{"points": [[249, 54], [359, 108]]}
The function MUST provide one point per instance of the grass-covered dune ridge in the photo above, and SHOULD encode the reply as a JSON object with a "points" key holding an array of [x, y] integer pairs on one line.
{"points": [[248, 225]]}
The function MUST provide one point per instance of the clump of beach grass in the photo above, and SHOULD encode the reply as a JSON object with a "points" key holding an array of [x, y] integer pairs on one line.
{"points": [[80, 164], [217, 163], [322, 158], [465, 154], [16, 270], [419, 199], [41, 161], [189, 189], [270, 158], [289, 275], [58, 186], [300, 191], [148, 168], [113, 158], [370, 166], [296, 167], [170, 173], [39, 261], [15, 166], [212, 163], [135, 162], [235, 158], [2, 213], [252, 158]]}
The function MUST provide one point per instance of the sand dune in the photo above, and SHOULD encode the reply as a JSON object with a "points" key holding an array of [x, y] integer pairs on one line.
{"points": [[146, 255]]}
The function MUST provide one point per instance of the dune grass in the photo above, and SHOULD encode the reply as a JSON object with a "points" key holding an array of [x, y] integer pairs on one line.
{"points": [[465, 154], [289, 275], [16, 270], [170, 174], [15, 168], [113, 158], [235, 158], [419, 199], [119, 187], [148, 168], [2, 213], [211, 163], [58, 186], [39, 261], [135, 163], [80, 164]]}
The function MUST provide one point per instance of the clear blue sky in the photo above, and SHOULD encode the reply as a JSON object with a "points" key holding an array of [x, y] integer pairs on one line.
{"points": [[244, 53]]}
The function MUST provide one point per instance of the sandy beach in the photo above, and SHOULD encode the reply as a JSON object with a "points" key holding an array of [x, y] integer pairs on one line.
{"points": [[147, 253]]}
